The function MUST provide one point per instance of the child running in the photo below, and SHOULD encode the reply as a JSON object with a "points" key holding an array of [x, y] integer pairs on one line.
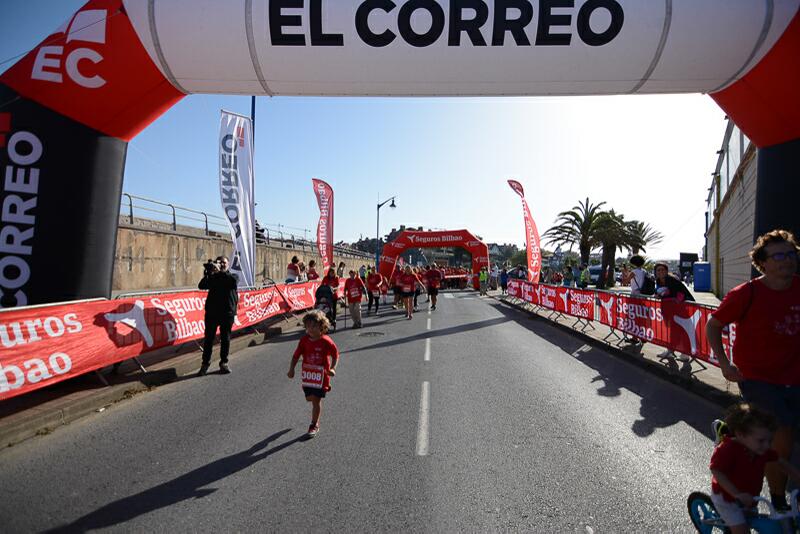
{"points": [[320, 356], [737, 464]]}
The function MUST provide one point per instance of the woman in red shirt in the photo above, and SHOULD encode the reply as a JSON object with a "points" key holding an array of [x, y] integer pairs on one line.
{"points": [[312, 271], [766, 343], [408, 282], [374, 286]]}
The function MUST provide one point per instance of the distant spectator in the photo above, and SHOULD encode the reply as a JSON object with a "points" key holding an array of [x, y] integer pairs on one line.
{"points": [[293, 270], [261, 236], [766, 349], [331, 280], [503, 281], [625, 277], [303, 276], [567, 278], [340, 269], [312, 270], [362, 272], [637, 276], [586, 276], [668, 287]]}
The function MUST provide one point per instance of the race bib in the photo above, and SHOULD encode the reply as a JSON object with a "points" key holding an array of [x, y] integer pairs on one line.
{"points": [[313, 376], [376, 293], [355, 293], [408, 289]]}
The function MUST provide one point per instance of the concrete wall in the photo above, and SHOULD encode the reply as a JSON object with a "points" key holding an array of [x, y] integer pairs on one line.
{"points": [[150, 255], [733, 227]]}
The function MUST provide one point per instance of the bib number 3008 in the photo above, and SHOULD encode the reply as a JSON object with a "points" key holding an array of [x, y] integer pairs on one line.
{"points": [[313, 376]]}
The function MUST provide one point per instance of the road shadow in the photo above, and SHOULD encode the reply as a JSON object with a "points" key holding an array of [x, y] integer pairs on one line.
{"points": [[192, 485], [657, 409], [433, 334]]}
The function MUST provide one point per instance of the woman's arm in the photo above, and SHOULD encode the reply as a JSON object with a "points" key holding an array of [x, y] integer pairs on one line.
{"points": [[714, 336]]}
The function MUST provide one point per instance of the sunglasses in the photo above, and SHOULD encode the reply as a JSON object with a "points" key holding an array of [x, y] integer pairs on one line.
{"points": [[780, 256]]}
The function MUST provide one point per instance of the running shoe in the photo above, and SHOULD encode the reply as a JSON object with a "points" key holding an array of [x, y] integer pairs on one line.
{"points": [[203, 370], [313, 430], [224, 368], [719, 429], [683, 357], [433, 308]]}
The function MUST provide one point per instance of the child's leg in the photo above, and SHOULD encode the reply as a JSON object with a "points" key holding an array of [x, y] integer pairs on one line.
{"points": [[316, 409]]}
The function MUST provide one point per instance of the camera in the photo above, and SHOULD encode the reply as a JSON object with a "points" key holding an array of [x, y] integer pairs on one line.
{"points": [[210, 267]]}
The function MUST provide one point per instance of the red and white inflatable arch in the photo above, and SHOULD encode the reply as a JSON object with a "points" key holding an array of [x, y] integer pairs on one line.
{"points": [[446, 238], [68, 108]]}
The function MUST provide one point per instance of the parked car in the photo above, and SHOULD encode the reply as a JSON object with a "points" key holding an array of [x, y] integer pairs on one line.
{"points": [[594, 273]]}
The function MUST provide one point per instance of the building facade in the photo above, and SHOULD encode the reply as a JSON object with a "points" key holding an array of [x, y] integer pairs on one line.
{"points": [[730, 217]]}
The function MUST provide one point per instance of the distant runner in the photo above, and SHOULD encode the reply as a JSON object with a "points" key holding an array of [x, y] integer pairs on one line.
{"points": [[374, 287], [433, 279], [320, 357], [408, 282]]}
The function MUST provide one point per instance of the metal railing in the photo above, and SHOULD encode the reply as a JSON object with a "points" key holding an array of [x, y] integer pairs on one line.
{"points": [[271, 234]]}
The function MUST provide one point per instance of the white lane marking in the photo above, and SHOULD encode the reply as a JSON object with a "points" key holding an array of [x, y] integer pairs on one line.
{"points": [[428, 350], [429, 323], [429, 311], [422, 428], [449, 296]]}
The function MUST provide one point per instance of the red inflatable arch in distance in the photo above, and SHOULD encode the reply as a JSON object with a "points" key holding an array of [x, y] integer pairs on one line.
{"points": [[446, 238]]}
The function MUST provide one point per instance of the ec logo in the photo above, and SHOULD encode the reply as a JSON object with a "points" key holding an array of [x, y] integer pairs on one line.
{"points": [[87, 26]]}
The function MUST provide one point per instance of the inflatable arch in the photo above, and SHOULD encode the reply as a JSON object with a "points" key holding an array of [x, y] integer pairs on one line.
{"points": [[69, 107], [447, 238]]}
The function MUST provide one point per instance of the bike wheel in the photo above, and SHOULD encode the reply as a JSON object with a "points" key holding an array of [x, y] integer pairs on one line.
{"points": [[703, 514]]}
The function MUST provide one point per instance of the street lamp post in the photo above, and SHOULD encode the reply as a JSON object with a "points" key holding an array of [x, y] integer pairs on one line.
{"points": [[378, 231]]}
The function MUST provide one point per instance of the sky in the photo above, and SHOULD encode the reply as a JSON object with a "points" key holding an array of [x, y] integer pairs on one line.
{"points": [[446, 160]]}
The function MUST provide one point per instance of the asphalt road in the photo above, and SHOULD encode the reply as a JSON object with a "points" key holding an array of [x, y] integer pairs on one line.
{"points": [[511, 425]]}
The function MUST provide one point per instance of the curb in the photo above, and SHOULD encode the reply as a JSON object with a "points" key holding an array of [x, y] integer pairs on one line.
{"points": [[41, 420], [710, 393]]}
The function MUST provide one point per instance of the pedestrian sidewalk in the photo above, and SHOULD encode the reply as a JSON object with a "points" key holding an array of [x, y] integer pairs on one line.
{"points": [[700, 377], [42, 411]]}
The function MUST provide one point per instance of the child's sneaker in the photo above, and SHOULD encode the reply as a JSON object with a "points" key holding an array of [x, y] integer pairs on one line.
{"points": [[313, 430], [720, 430]]}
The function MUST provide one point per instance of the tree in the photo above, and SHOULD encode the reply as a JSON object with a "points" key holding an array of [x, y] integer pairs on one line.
{"points": [[612, 232], [520, 257], [576, 227], [642, 236]]}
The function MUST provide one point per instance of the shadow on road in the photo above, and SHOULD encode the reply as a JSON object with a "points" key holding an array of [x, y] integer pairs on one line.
{"points": [[657, 408], [192, 485], [433, 334]]}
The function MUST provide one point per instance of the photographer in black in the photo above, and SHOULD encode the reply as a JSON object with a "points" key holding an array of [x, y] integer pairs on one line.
{"points": [[221, 303]]}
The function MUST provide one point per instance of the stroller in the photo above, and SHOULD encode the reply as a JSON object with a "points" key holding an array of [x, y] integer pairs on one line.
{"points": [[326, 303]]}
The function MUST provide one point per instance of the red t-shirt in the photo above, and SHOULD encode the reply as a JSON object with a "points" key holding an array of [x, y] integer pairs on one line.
{"points": [[434, 278], [312, 274], [354, 289], [316, 355], [408, 283], [742, 467], [767, 343], [374, 281], [333, 282], [292, 270], [396, 278]]}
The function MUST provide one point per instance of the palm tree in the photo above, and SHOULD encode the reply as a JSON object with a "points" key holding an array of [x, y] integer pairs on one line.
{"points": [[612, 232], [643, 235], [576, 227]]}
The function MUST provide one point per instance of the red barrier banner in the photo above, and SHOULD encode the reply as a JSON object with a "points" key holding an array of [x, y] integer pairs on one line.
{"points": [[515, 288], [530, 293], [548, 297], [581, 304], [562, 299], [42, 345], [606, 304]]}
